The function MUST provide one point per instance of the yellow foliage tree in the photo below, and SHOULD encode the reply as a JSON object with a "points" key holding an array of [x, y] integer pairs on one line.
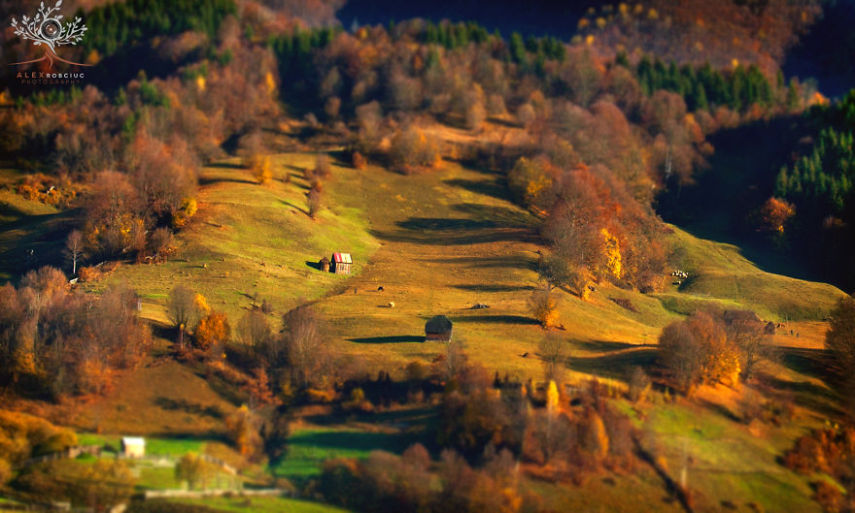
{"points": [[595, 436], [242, 428], [552, 397], [530, 181], [195, 470], [543, 305], [201, 306], [611, 248], [185, 212], [261, 167]]}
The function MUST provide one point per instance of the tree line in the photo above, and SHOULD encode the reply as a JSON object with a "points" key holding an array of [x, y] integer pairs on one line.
{"points": [[818, 189]]}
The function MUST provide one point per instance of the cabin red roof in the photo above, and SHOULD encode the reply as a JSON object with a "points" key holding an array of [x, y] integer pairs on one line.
{"points": [[342, 258]]}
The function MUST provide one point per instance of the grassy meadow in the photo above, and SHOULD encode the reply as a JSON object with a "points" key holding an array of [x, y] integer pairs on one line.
{"points": [[438, 243]]}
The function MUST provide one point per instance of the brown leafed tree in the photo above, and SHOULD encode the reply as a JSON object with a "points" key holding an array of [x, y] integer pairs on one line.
{"points": [[314, 202], [682, 355]]}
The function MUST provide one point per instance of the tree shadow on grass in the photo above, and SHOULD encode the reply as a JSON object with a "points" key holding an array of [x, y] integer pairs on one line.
{"points": [[457, 238], [33, 241], [313, 265], [351, 440], [614, 366], [602, 346], [513, 261], [806, 394], [810, 362], [493, 188], [225, 165], [392, 339], [293, 206], [497, 319], [720, 409], [507, 226], [493, 288], [446, 223], [503, 216], [212, 180], [168, 403], [410, 416]]}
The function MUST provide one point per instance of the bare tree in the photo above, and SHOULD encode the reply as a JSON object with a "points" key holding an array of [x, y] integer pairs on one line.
{"points": [[455, 357], [314, 202], [253, 329], [162, 243], [306, 345], [551, 349], [74, 249], [639, 384], [181, 309]]}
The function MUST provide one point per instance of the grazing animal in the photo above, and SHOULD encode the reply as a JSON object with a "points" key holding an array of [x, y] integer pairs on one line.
{"points": [[380, 288], [524, 355], [391, 304]]}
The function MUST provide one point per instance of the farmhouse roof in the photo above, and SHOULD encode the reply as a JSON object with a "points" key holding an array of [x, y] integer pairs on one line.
{"points": [[438, 324], [342, 258], [133, 440]]}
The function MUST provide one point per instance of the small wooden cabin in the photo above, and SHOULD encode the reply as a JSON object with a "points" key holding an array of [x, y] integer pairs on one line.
{"points": [[324, 264], [341, 263], [439, 329]]}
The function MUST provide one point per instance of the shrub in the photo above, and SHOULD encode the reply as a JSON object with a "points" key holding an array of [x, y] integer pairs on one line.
{"points": [[358, 160], [411, 150], [162, 243], [828, 496], [89, 274]]}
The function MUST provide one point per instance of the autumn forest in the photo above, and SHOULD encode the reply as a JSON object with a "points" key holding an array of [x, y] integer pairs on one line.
{"points": [[348, 256]]}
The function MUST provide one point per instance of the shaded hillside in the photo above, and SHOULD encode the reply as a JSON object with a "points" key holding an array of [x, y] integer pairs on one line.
{"points": [[825, 53]]}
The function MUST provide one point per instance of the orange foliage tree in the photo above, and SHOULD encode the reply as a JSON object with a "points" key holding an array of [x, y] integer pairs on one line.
{"points": [[212, 331]]}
